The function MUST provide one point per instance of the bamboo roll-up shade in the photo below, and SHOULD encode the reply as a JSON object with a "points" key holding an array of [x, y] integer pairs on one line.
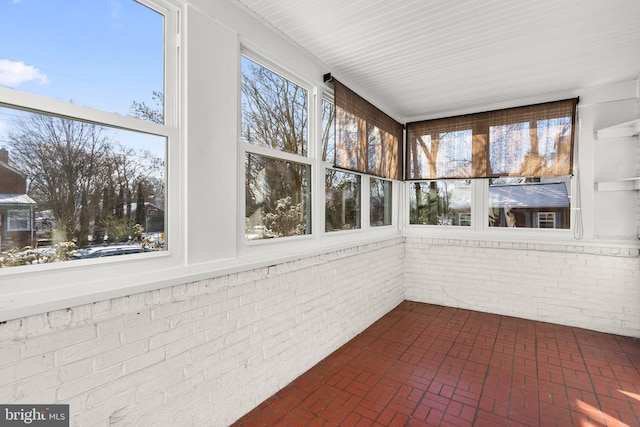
{"points": [[367, 140], [530, 141]]}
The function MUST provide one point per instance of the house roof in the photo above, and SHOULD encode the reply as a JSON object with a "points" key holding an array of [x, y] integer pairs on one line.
{"points": [[16, 199], [530, 195]]}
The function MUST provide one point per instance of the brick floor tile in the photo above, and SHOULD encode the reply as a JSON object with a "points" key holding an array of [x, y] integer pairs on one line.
{"points": [[424, 365]]}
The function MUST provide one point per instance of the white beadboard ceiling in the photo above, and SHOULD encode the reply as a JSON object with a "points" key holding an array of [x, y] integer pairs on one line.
{"points": [[419, 59]]}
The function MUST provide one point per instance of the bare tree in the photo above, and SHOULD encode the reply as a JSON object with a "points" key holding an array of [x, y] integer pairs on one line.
{"points": [[274, 114], [65, 163], [153, 114], [85, 177]]}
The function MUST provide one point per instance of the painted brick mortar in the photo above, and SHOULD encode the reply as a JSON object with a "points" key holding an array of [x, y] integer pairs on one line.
{"points": [[591, 287], [209, 351], [198, 353]]}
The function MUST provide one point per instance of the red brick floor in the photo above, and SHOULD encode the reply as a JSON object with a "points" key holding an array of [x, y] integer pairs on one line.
{"points": [[426, 365]]}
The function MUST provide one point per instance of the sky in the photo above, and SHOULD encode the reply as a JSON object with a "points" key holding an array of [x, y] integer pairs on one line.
{"points": [[103, 54]]}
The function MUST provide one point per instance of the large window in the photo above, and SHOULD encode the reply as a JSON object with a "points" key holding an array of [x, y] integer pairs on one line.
{"points": [[84, 125], [525, 154], [274, 132]]}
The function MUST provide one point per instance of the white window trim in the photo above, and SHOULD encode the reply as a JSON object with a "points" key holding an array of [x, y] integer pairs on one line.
{"points": [[326, 167], [394, 190], [480, 230], [37, 288], [249, 247]]}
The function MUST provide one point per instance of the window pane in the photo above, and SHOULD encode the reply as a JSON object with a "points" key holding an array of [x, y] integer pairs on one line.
{"points": [[442, 202], [87, 184], [274, 110], [19, 219], [546, 219], [100, 53], [328, 132], [529, 202], [342, 200], [278, 198], [380, 202]]}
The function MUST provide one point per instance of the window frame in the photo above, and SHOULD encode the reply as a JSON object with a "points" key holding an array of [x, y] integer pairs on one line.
{"points": [[51, 285], [391, 202], [474, 197], [480, 227], [365, 185], [360, 202], [309, 160]]}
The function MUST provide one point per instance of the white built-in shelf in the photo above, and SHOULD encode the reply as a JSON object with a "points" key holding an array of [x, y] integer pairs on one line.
{"points": [[619, 184], [620, 130]]}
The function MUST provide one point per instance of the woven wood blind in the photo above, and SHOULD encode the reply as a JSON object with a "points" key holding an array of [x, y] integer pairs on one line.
{"points": [[367, 140], [535, 140]]}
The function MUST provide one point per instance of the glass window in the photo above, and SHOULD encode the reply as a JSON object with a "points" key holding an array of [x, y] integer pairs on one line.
{"points": [[381, 207], [342, 200], [96, 182], [440, 202], [274, 132], [328, 131], [274, 110], [464, 219], [91, 176], [101, 54], [530, 202], [546, 219], [18, 220], [277, 198]]}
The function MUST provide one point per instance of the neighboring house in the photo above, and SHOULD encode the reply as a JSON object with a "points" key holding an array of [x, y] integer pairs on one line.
{"points": [[16, 207], [154, 217], [533, 205]]}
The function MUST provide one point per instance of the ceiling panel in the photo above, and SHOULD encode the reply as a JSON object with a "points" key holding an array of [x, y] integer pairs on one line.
{"points": [[432, 58]]}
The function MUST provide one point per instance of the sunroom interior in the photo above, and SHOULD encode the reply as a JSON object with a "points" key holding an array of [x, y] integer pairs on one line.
{"points": [[268, 266]]}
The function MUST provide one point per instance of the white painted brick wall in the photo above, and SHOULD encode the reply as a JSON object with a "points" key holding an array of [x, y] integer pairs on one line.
{"points": [[590, 287], [199, 353]]}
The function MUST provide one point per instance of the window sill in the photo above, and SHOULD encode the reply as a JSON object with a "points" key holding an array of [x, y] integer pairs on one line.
{"points": [[519, 235], [41, 290]]}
